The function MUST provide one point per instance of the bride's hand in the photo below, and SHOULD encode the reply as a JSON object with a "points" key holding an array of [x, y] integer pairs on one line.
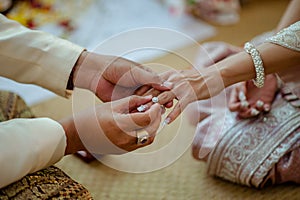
{"points": [[189, 86], [250, 101]]}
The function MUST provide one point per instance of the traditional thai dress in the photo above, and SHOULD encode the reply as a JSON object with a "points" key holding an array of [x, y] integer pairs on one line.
{"points": [[259, 151]]}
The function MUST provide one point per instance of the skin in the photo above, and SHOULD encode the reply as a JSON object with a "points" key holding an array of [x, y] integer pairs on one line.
{"points": [[192, 85], [268, 92], [112, 79], [253, 94], [116, 122]]}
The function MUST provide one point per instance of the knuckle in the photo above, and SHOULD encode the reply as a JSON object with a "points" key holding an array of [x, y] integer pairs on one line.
{"points": [[147, 120]]}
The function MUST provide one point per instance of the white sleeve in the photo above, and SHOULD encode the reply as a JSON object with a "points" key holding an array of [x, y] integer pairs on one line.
{"points": [[28, 145], [36, 57]]}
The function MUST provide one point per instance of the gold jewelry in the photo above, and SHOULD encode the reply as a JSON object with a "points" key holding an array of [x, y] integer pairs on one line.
{"points": [[141, 137]]}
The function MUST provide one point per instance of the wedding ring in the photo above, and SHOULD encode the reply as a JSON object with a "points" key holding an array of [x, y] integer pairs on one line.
{"points": [[155, 99], [259, 104], [141, 137]]}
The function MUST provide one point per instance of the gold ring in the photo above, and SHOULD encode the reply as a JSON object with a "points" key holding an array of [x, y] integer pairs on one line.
{"points": [[141, 137]]}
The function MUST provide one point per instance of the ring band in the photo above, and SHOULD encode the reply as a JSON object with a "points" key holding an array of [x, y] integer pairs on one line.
{"points": [[141, 137]]}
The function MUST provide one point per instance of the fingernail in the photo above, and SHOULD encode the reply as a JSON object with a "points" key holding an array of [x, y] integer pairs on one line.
{"points": [[155, 99], [244, 104], [166, 121], [242, 96], [259, 104], [167, 84], [254, 112], [148, 96], [142, 108], [267, 108]]}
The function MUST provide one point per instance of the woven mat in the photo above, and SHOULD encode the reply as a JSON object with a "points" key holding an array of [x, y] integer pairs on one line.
{"points": [[184, 179]]}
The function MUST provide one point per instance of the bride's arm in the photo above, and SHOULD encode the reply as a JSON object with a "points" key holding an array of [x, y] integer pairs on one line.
{"points": [[281, 52]]}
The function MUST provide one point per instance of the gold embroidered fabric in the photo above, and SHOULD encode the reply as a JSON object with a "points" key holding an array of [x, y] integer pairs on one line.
{"points": [[12, 106], [49, 183], [288, 37], [251, 148]]}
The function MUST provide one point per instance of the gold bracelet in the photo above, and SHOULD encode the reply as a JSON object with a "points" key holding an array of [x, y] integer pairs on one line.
{"points": [[258, 65]]}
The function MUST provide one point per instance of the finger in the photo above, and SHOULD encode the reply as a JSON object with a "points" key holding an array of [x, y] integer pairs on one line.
{"points": [[152, 92], [146, 106], [234, 107], [163, 110], [156, 120], [267, 108], [141, 91], [242, 91], [233, 103], [179, 107], [249, 113], [136, 101], [129, 104], [259, 105], [173, 114], [147, 77], [169, 104], [244, 105], [166, 97], [141, 120], [238, 101]]}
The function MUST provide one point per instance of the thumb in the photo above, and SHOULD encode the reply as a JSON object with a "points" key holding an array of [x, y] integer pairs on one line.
{"points": [[140, 120], [128, 104]]}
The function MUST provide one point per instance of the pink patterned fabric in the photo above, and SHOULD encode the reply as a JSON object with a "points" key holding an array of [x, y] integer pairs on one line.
{"points": [[253, 152]]}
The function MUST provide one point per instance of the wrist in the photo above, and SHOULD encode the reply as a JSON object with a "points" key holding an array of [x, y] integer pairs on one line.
{"points": [[236, 68], [81, 76], [74, 143]]}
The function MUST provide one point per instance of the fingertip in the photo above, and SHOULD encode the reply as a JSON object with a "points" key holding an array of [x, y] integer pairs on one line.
{"points": [[155, 108], [267, 108], [136, 101], [169, 104], [233, 107], [167, 84], [166, 97], [148, 97], [166, 121], [163, 86], [254, 112], [172, 116]]}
